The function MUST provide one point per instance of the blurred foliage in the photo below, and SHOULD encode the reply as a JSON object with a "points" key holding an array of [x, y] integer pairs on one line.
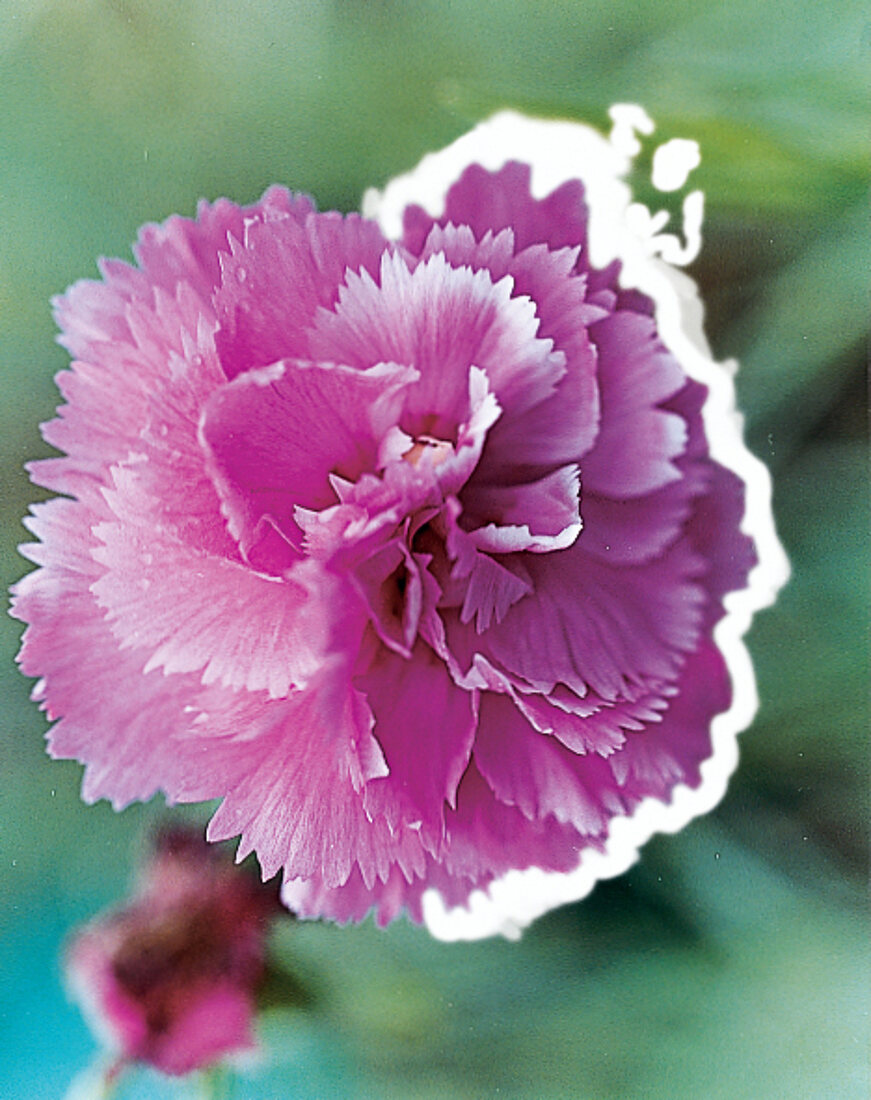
{"points": [[732, 961]]}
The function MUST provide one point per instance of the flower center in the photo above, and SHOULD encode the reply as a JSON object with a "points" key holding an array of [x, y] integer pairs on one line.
{"points": [[437, 450]]}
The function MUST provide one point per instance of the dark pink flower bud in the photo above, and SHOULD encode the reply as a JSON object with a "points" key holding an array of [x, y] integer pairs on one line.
{"points": [[170, 977]]}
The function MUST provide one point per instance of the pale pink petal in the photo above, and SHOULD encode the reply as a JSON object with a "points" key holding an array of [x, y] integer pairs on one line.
{"points": [[188, 611], [441, 320], [277, 276], [352, 901], [298, 803], [120, 721]]}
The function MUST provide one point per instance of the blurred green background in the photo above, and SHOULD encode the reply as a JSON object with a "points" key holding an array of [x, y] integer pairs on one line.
{"points": [[732, 961]]}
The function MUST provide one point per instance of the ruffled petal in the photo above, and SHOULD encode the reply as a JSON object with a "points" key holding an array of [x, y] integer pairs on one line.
{"points": [[277, 275], [564, 425], [425, 726], [539, 516], [193, 612], [441, 320], [637, 441], [671, 751], [622, 627], [274, 436], [715, 530], [298, 801], [487, 837], [538, 775], [500, 200], [121, 722]]}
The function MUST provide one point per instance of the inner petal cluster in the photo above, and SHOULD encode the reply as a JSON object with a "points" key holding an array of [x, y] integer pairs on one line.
{"points": [[363, 454]]}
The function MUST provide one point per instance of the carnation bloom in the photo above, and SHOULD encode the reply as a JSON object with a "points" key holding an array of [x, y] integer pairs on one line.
{"points": [[412, 539], [170, 978]]}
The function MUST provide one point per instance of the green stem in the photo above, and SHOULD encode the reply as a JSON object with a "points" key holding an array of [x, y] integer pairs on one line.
{"points": [[214, 1084]]}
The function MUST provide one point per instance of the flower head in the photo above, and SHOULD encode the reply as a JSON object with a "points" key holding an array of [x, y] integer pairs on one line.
{"points": [[170, 978], [410, 539]]}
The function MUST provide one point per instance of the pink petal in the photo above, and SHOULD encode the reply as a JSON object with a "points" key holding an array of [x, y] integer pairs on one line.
{"points": [[353, 900], [535, 773], [499, 200], [182, 251], [121, 722], [672, 750], [442, 321], [274, 281], [425, 726], [215, 1023], [193, 612], [637, 441], [564, 425], [274, 436], [298, 802], [487, 837], [623, 626], [715, 530], [539, 516]]}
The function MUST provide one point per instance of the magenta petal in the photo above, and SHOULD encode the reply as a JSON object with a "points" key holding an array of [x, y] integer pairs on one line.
{"points": [[631, 532], [672, 750], [217, 1022], [637, 441], [716, 532], [535, 773], [493, 587], [488, 837], [592, 724], [499, 200], [564, 425], [390, 585], [274, 436], [623, 626], [540, 516], [425, 726]]}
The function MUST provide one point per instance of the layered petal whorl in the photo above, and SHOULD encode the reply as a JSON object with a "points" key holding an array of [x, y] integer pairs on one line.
{"points": [[413, 552]]}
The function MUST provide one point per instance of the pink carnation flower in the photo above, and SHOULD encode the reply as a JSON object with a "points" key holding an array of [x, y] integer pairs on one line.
{"points": [[170, 978], [410, 539]]}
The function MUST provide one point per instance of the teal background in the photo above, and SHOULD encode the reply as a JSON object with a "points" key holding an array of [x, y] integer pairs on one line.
{"points": [[732, 961]]}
